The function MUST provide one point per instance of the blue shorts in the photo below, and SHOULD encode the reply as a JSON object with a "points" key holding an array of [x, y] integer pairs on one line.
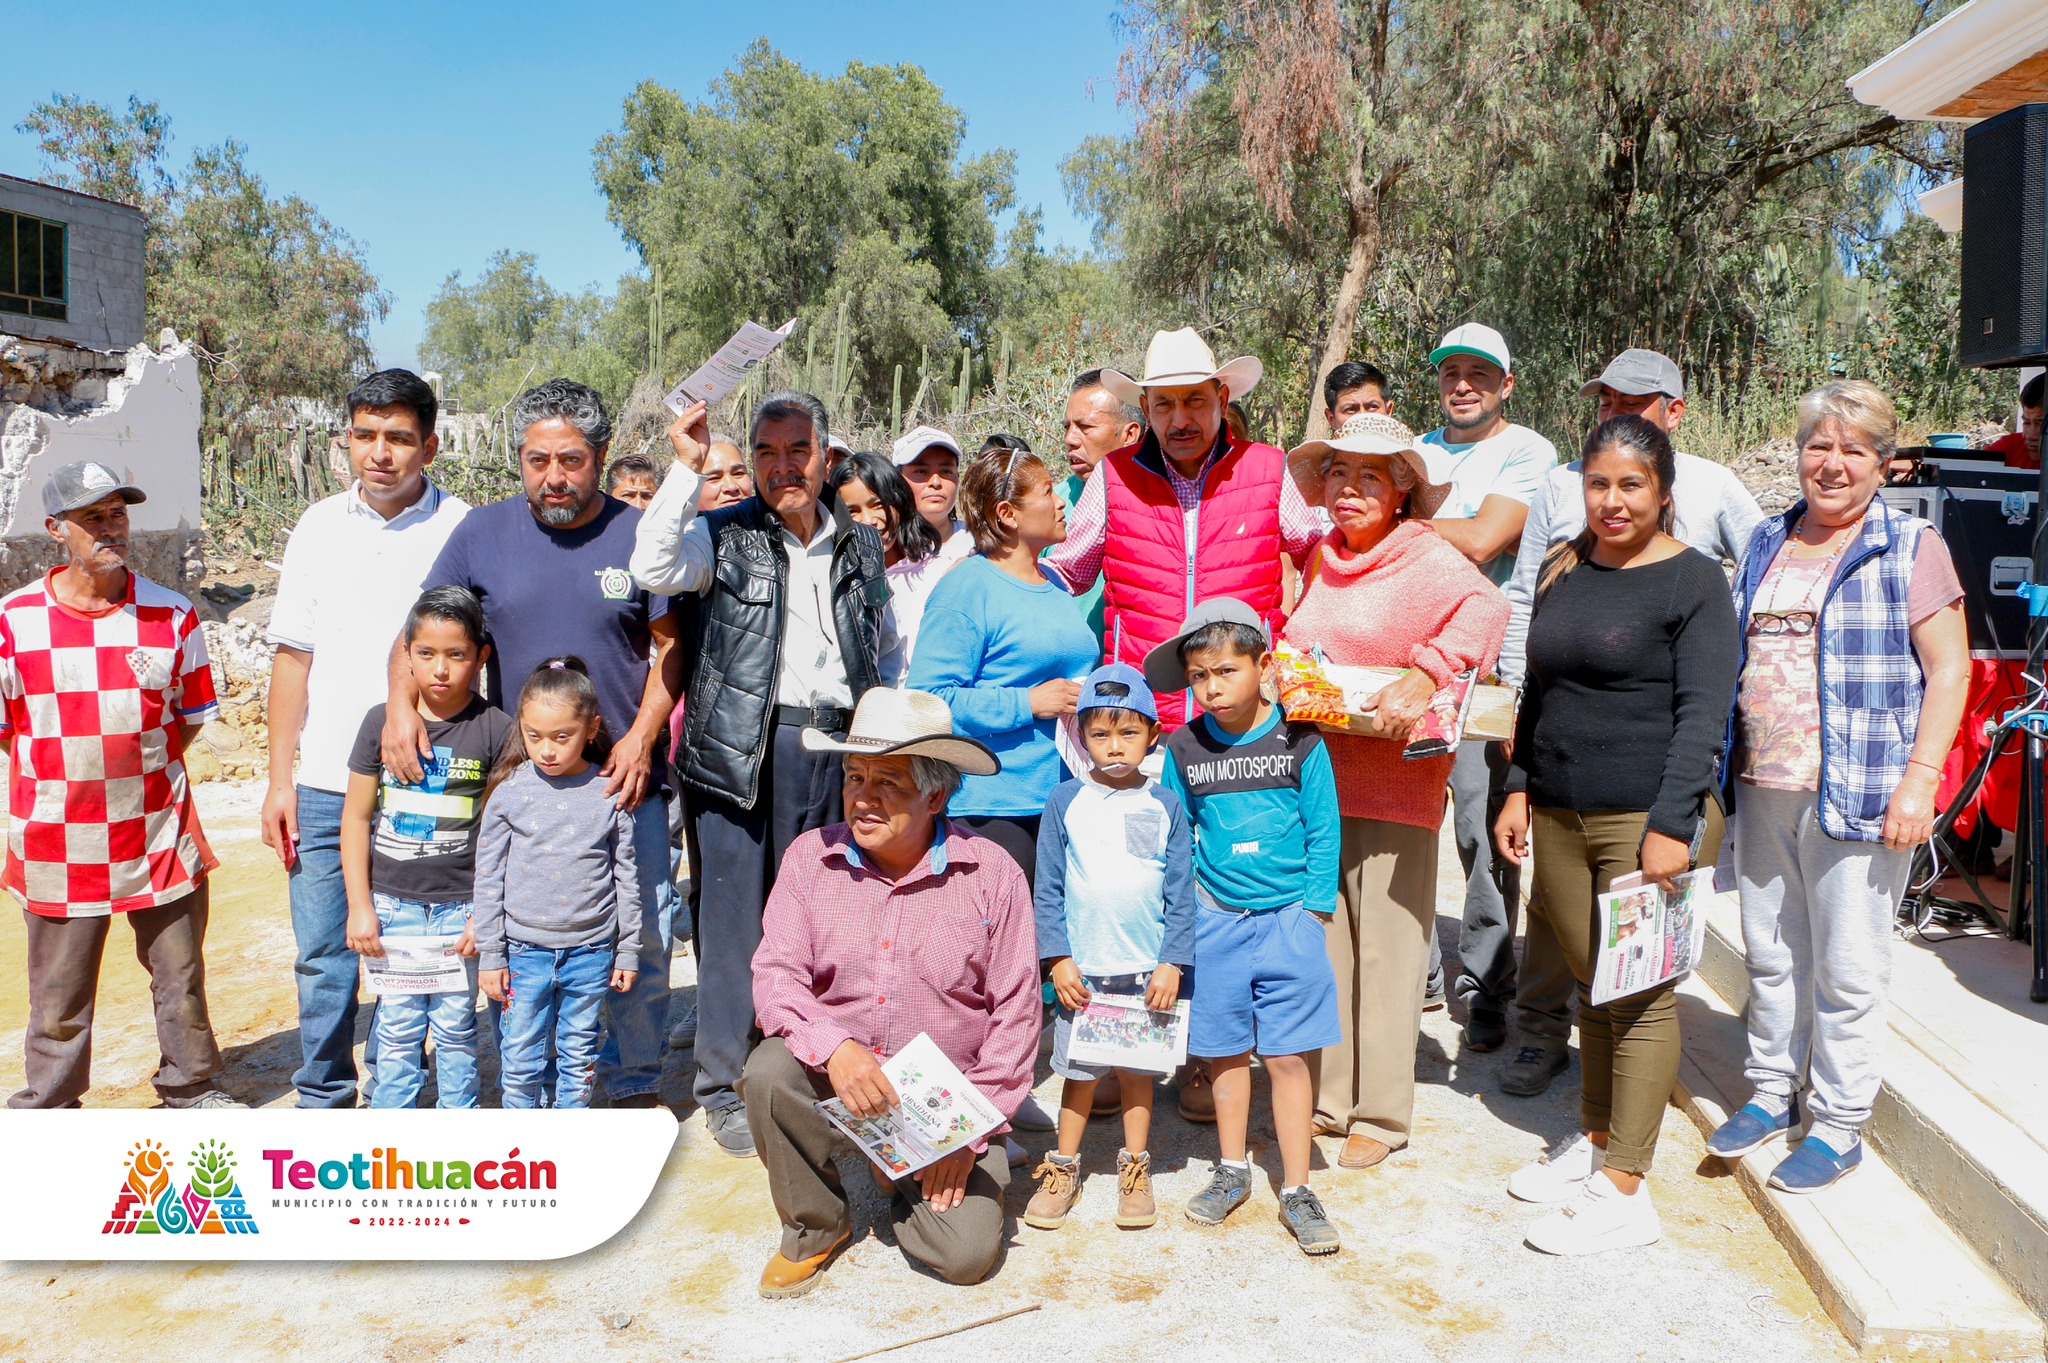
{"points": [[1262, 983], [1063, 1025]]}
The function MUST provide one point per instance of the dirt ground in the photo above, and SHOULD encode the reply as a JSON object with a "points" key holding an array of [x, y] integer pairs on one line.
{"points": [[1433, 1266]]}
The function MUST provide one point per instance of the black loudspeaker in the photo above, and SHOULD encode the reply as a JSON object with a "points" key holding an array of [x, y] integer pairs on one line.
{"points": [[2005, 240]]}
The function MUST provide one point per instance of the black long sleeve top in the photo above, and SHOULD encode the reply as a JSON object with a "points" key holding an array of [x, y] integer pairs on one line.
{"points": [[1630, 678]]}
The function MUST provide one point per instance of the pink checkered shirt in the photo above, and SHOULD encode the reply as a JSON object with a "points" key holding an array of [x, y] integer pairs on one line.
{"points": [[1076, 561], [951, 950], [100, 814]]}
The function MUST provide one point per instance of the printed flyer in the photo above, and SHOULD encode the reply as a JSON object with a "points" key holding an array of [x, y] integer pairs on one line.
{"points": [[938, 1112], [1649, 935], [1119, 1030]]}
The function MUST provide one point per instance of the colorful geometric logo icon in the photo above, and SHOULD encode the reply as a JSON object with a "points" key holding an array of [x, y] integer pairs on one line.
{"points": [[210, 1203]]}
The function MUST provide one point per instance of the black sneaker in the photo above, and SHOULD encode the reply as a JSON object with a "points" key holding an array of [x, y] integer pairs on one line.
{"points": [[1228, 1190], [1302, 1213], [1486, 1029], [1531, 1071]]}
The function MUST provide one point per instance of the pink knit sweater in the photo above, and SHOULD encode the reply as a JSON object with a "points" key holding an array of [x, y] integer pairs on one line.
{"points": [[1410, 601]]}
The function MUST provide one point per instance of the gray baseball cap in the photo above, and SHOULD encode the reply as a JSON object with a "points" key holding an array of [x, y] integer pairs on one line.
{"points": [[83, 483], [1163, 669], [1637, 372]]}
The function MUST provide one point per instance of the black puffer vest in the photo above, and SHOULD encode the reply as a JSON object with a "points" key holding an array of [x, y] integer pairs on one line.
{"points": [[738, 640]]}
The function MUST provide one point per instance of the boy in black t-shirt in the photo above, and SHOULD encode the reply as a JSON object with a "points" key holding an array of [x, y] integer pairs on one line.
{"points": [[408, 854]]}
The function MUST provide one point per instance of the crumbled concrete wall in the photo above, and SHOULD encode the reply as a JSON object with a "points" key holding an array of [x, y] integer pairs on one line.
{"points": [[136, 412], [103, 266]]}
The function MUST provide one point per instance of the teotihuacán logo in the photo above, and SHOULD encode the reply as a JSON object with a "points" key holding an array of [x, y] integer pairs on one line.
{"points": [[149, 1201]]}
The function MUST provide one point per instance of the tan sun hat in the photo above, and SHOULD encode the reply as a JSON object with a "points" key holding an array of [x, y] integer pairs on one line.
{"points": [[1369, 433], [1176, 359], [893, 723]]}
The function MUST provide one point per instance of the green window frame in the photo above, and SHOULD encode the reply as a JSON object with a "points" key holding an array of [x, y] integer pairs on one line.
{"points": [[33, 266]]}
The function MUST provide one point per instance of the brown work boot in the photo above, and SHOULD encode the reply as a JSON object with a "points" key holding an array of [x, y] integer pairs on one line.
{"points": [[1197, 1095], [1135, 1208], [1059, 1187], [1109, 1098], [794, 1277]]}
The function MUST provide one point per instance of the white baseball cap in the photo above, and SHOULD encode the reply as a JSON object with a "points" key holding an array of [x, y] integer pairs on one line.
{"points": [[919, 439], [1474, 338]]}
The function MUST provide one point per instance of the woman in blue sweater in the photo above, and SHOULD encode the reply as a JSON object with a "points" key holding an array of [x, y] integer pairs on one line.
{"points": [[1005, 649]]}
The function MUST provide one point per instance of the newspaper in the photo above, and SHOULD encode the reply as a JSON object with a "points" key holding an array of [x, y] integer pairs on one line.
{"points": [[938, 1112], [1119, 1030], [1648, 936], [418, 965], [724, 372]]}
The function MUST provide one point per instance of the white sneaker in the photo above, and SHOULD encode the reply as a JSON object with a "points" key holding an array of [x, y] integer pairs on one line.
{"points": [[1032, 1116], [1600, 1217], [1558, 1175]]}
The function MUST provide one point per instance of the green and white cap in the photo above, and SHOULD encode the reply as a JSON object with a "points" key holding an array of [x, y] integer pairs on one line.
{"points": [[1474, 338]]}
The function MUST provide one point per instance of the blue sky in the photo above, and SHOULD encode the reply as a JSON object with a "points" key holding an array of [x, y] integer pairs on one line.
{"points": [[436, 134]]}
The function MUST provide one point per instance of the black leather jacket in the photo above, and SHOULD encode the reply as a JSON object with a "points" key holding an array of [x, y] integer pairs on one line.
{"points": [[738, 638]]}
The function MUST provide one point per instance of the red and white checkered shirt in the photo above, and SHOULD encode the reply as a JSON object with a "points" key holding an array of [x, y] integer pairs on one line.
{"points": [[951, 950], [100, 814], [1076, 561]]}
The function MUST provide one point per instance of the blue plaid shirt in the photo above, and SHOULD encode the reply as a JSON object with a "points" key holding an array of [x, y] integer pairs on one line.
{"points": [[1870, 678]]}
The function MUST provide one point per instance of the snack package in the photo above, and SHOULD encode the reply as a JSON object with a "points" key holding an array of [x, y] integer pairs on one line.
{"points": [[1307, 694]]}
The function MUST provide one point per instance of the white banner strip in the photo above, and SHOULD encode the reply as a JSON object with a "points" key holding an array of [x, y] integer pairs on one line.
{"points": [[292, 1184]]}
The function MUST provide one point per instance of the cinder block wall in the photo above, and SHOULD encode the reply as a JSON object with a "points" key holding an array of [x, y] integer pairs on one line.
{"points": [[104, 265]]}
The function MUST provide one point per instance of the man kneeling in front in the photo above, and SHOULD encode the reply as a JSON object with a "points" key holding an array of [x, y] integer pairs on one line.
{"points": [[890, 924]]}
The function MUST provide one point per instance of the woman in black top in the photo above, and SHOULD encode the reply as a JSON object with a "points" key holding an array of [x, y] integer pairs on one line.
{"points": [[1632, 649]]}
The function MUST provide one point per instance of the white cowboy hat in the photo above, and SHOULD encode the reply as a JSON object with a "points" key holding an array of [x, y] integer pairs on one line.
{"points": [[1369, 433], [893, 723], [1176, 359]]}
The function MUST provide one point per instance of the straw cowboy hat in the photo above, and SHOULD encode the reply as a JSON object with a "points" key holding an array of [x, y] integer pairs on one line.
{"points": [[1176, 359], [1369, 433], [892, 723]]}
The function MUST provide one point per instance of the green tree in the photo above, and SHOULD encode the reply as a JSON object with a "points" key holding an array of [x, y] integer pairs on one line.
{"points": [[511, 328], [789, 192], [276, 301], [1584, 174]]}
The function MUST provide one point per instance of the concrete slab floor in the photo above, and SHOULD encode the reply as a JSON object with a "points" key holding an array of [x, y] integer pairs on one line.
{"points": [[1433, 1265]]}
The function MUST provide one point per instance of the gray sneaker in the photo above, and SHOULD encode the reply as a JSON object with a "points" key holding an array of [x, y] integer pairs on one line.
{"points": [[728, 1126], [1302, 1213], [1531, 1071], [208, 1098], [1228, 1190]]}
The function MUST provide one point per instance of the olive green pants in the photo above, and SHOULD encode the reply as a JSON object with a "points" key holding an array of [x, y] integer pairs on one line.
{"points": [[1628, 1047]]}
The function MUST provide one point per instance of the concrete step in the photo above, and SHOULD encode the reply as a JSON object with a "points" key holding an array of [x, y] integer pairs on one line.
{"points": [[1898, 1281], [1958, 1117]]}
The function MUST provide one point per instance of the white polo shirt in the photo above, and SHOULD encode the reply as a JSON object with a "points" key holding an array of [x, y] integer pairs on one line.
{"points": [[349, 578]]}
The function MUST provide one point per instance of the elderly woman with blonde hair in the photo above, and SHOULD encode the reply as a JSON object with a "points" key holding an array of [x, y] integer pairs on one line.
{"points": [[1855, 664], [1384, 590]]}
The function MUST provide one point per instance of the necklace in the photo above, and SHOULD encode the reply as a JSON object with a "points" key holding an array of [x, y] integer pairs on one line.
{"points": [[1800, 622]]}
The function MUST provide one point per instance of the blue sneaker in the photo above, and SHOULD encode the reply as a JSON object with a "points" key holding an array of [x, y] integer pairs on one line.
{"points": [[1750, 1127], [1813, 1165]]}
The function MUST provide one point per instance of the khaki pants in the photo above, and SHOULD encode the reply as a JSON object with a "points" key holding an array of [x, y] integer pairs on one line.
{"points": [[1379, 950], [1628, 1047], [63, 986], [795, 1142]]}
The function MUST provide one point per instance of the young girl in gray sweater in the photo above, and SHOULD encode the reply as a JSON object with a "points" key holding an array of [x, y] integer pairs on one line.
{"points": [[557, 907]]}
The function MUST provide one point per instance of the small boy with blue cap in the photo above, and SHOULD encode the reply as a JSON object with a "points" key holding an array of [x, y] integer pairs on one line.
{"points": [[1115, 901]]}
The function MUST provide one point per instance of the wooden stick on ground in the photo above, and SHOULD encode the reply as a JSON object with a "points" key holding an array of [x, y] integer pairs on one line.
{"points": [[941, 1334]]}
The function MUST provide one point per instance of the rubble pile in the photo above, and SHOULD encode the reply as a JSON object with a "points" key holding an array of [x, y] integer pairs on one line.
{"points": [[236, 746]]}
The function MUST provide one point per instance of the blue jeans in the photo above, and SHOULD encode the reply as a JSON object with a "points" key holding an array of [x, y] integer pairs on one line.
{"points": [[555, 993], [325, 967], [636, 1022], [403, 1020]]}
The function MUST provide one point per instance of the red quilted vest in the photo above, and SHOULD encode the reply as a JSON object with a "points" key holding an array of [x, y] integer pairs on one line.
{"points": [[1152, 576]]}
